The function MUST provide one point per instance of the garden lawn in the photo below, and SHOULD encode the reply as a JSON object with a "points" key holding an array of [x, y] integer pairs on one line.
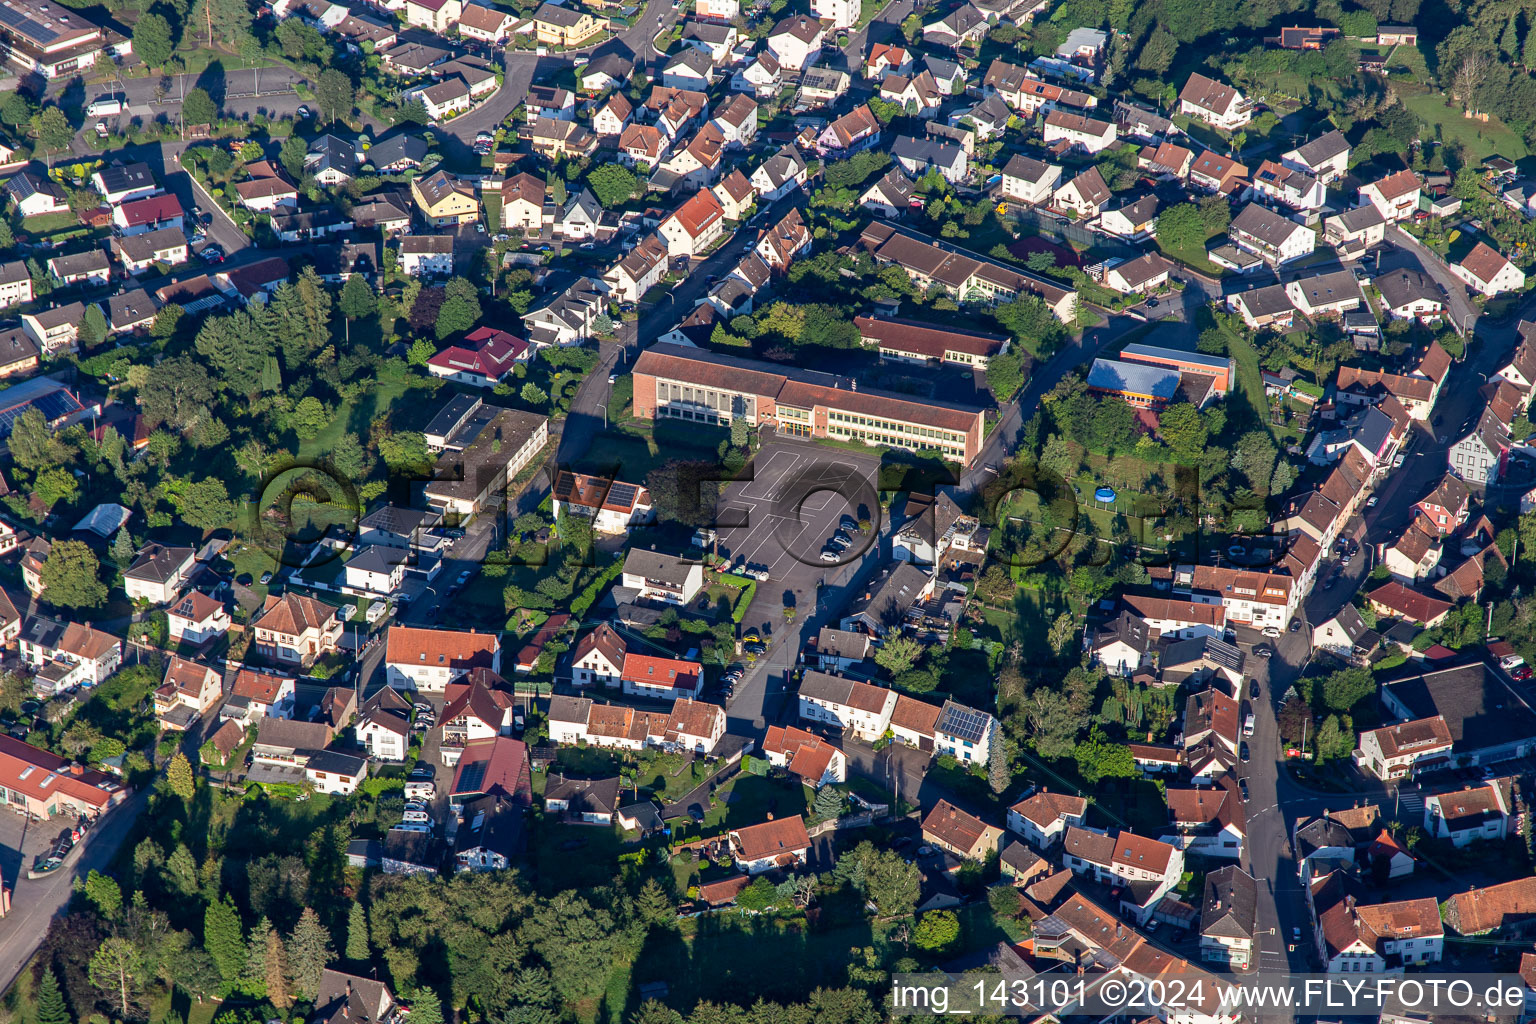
{"points": [[1481, 138], [353, 417], [573, 856]]}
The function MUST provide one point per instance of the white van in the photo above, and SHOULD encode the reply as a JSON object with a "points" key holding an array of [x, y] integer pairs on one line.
{"points": [[416, 818], [413, 826], [104, 108], [1248, 724], [376, 611], [420, 790]]}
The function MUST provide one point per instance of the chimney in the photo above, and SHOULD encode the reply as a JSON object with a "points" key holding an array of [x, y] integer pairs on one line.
{"points": [[76, 769]]}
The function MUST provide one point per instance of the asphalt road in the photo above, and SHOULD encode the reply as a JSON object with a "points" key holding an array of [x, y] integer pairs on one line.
{"points": [[523, 67]]}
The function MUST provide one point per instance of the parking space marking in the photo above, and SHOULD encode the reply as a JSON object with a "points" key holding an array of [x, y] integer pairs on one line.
{"points": [[767, 478]]}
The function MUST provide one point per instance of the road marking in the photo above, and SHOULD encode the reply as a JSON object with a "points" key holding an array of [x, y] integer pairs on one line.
{"points": [[766, 477]]}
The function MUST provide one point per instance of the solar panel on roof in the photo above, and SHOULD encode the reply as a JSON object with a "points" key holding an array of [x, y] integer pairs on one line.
{"points": [[472, 777], [622, 494], [965, 724]]}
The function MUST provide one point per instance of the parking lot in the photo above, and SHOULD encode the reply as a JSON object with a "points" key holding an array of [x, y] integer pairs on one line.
{"points": [[23, 841], [783, 517]]}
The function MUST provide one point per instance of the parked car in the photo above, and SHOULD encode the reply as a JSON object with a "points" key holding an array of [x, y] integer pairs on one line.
{"points": [[1242, 785]]}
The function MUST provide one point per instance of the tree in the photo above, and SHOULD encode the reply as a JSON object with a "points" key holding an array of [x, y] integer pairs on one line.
{"points": [[1053, 723], [1098, 759], [178, 777], [829, 803], [1347, 687], [199, 108], [454, 315], [612, 185], [309, 418], [309, 950], [1005, 374], [236, 347], [653, 904], [892, 883], [420, 352], [52, 128], [1181, 229], [114, 967], [275, 976], [93, 327], [998, 775], [1004, 900], [71, 576], [292, 155], [533, 394], [936, 931], [224, 939], [426, 1008], [761, 895], [176, 391], [16, 109], [335, 93], [50, 1008], [357, 298], [104, 893], [152, 40], [206, 504], [357, 934], [897, 654]]}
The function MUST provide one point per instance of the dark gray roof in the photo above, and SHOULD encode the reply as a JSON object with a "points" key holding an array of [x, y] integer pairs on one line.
{"points": [[1123, 628], [379, 558], [337, 763], [397, 148], [1267, 300], [592, 796], [1264, 224], [1322, 289], [1478, 708], [1320, 834], [1187, 652], [962, 722], [492, 823], [130, 307], [657, 565], [127, 178], [331, 152], [395, 519], [1324, 147], [1400, 287], [1230, 910]]}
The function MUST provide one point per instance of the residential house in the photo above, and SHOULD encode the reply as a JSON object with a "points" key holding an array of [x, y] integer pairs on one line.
{"points": [[1075, 131], [794, 40], [1131, 218], [1146, 867], [565, 26], [1140, 276], [964, 835], [1273, 238], [445, 201], [1326, 157], [158, 573], [45, 786], [1289, 186], [591, 801], [1216, 173], [430, 659], [426, 255], [813, 760], [917, 94], [552, 138], [1044, 817], [1084, 196], [736, 196], [189, 691], [139, 253], [1488, 273], [92, 267], [1354, 232], [612, 505], [1215, 103], [963, 26], [1208, 820], [256, 695], [694, 226], [659, 677], [35, 195], [1398, 601], [1346, 636], [780, 174], [613, 115], [197, 619], [66, 656], [295, 629], [762, 76], [1472, 813], [1396, 197], [56, 329], [847, 704], [1229, 932], [641, 269], [854, 131], [771, 845]]}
